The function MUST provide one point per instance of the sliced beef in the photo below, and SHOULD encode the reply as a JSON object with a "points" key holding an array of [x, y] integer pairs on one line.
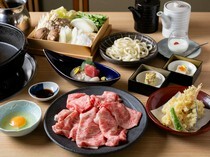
{"points": [[80, 102], [125, 117], [109, 128], [64, 126], [88, 133], [95, 120], [62, 115]]}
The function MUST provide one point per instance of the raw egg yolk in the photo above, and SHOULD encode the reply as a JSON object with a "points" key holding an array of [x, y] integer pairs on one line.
{"points": [[18, 121]]}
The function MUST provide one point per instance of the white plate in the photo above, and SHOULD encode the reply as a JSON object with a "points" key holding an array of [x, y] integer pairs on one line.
{"points": [[159, 80], [191, 67], [164, 50]]}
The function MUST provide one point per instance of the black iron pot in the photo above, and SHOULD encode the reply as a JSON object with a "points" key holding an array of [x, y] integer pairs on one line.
{"points": [[12, 49]]}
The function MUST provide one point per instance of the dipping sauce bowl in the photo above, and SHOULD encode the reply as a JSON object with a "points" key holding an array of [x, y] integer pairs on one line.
{"points": [[43, 91]]}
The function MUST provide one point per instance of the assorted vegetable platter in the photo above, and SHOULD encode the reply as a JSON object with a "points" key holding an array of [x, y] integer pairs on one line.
{"points": [[71, 27]]}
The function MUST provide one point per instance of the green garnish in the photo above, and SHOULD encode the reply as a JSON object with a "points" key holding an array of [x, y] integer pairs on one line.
{"points": [[98, 19], [175, 120], [87, 61]]}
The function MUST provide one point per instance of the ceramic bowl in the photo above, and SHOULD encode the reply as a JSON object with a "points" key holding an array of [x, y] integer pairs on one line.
{"points": [[43, 91], [63, 65], [191, 67], [159, 77], [109, 41], [161, 96], [27, 109]]}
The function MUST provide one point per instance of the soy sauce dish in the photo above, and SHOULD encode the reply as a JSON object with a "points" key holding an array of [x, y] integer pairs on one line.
{"points": [[68, 66], [43, 91], [19, 117]]}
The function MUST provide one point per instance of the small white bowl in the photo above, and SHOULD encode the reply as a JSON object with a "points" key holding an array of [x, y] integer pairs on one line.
{"points": [[191, 67], [43, 91], [28, 109], [160, 78]]}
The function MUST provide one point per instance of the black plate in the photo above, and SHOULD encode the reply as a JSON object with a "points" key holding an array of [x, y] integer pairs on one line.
{"points": [[14, 82], [59, 104], [63, 65], [109, 40]]}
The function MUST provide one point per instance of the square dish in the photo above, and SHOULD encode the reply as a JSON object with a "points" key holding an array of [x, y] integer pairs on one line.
{"points": [[193, 65], [146, 89]]}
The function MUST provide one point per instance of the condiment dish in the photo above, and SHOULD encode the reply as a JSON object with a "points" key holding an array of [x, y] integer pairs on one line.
{"points": [[43, 91], [159, 77], [19, 117], [190, 67]]}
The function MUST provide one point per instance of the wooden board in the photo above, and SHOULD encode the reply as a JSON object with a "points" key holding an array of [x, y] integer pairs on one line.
{"points": [[36, 46], [83, 55]]}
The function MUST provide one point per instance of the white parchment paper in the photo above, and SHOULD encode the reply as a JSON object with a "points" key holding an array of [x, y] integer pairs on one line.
{"points": [[200, 123]]}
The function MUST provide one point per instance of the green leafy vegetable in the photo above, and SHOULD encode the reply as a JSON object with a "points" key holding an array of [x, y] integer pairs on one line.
{"points": [[98, 19], [61, 12], [87, 61], [175, 120]]}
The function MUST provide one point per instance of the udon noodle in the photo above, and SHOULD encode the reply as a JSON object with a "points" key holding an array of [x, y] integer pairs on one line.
{"points": [[127, 49]]}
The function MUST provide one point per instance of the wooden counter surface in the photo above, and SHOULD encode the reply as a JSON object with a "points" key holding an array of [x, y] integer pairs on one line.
{"points": [[154, 142]]}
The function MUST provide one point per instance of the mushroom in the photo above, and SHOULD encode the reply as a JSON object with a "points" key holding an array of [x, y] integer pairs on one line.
{"points": [[41, 33], [53, 35]]}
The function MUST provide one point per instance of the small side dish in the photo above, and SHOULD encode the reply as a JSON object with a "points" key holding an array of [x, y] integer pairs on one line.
{"points": [[149, 77], [87, 71], [43, 91], [19, 117], [183, 67]]}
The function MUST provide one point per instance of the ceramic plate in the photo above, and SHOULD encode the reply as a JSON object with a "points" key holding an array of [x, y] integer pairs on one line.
{"points": [[59, 104], [109, 40], [18, 80], [191, 67], [63, 65], [159, 78], [164, 50], [161, 96]]}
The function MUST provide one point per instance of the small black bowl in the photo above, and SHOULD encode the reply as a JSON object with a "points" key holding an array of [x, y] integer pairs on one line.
{"points": [[63, 65], [109, 41]]}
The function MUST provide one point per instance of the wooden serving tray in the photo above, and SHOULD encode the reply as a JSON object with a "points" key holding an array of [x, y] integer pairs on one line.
{"points": [[36, 46]]}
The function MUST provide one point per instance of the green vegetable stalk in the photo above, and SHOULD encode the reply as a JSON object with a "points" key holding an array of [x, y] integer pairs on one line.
{"points": [[175, 120]]}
